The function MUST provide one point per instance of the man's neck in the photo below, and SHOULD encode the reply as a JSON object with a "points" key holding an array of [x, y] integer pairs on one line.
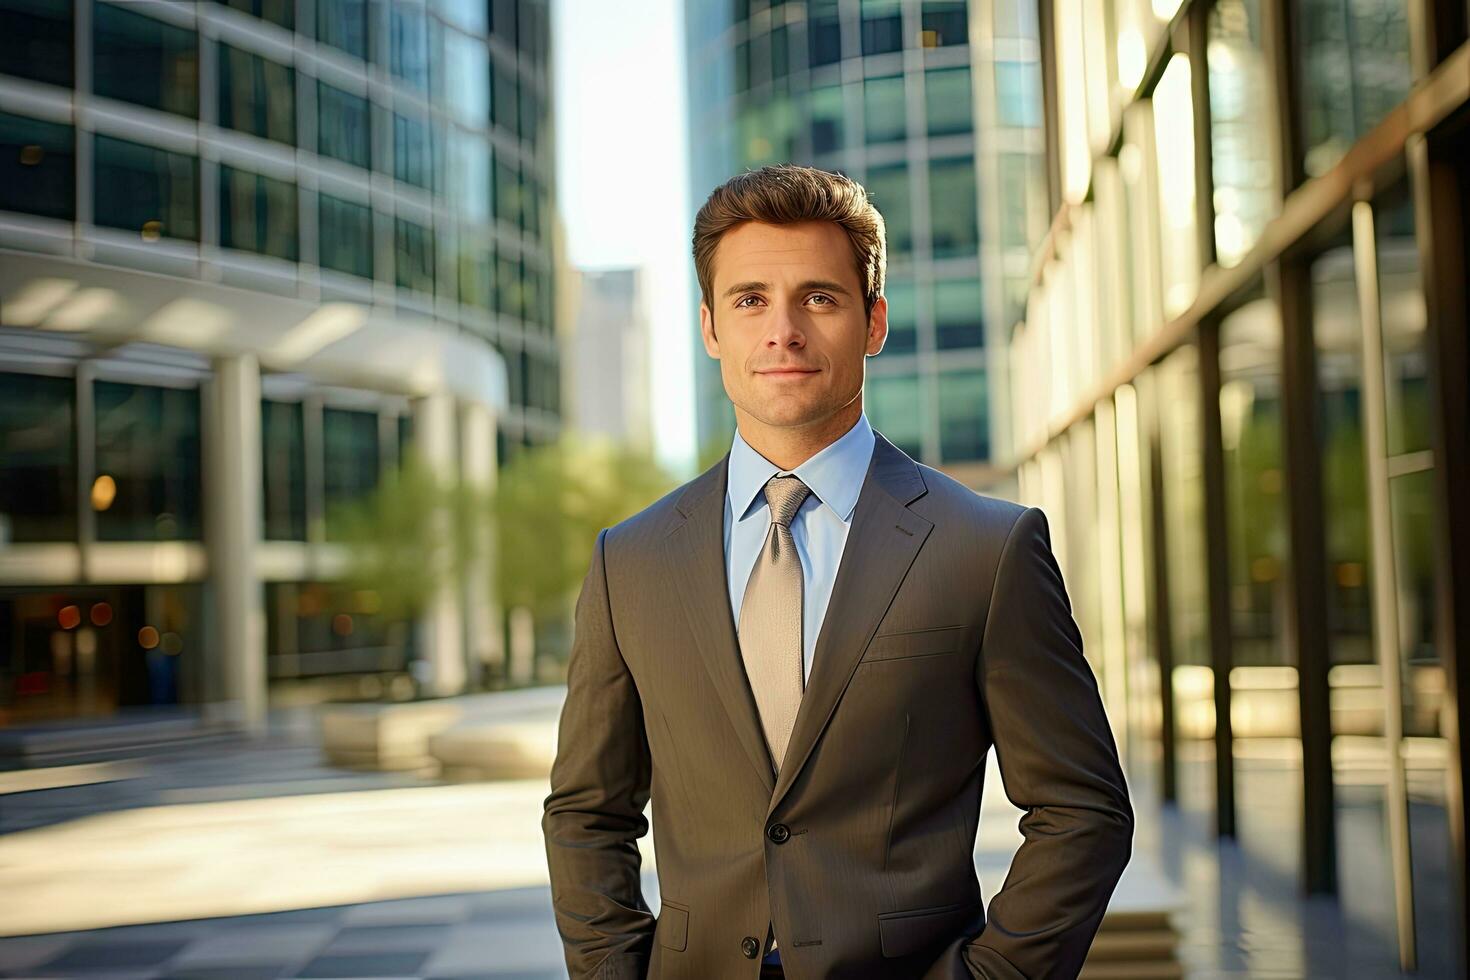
{"points": [[790, 446]]}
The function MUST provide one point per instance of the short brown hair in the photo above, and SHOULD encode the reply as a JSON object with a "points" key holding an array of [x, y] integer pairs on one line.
{"points": [[786, 193]]}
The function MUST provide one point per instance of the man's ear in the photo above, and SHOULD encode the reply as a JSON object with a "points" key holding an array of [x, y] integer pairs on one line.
{"points": [[877, 325], [707, 331]]}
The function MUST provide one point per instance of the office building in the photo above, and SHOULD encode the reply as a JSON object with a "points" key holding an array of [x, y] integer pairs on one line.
{"points": [[253, 254], [1240, 397]]}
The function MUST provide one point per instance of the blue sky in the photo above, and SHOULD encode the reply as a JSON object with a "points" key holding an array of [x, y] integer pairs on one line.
{"points": [[622, 177]]}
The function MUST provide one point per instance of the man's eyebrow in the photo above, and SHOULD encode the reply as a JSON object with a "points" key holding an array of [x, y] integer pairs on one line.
{"points": [[755, 286]]}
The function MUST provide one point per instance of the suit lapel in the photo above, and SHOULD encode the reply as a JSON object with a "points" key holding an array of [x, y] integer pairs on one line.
{"points": [[882, 543], [695, 548]]}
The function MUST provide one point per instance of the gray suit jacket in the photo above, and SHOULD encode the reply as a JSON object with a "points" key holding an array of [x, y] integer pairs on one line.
{"points": [[949, 630]]}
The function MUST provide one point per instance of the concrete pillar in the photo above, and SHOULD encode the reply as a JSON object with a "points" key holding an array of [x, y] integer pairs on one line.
{"points": [[483, 623], [233, 526], [441, 626]]}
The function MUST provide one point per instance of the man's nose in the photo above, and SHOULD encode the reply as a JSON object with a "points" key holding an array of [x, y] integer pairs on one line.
{"points": [[785, 325]]}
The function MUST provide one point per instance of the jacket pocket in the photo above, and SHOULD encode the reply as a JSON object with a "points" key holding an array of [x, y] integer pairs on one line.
{"points": [[914, 643], [672, 926], [901, 933]]}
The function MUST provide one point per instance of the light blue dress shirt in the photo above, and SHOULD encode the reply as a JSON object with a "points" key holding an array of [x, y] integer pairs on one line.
{"points": [[835, 476]]}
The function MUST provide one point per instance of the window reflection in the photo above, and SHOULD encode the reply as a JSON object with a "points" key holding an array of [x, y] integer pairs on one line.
{"points": [[893, 405], [38, 497], [827, 116], [888, 188], [882, 26], [1404, 318], [37, 167], [409, 37], [344, 128], [411, 151], [141, 60], [147, 485], [883, 109], [283, 471], [947, 101], [953, 215], [282, 13], [1354, 59], [256, 95], [144, 189], [958, 321], [964, 415], [413, 247], [257, 213], [469, 175], [1174, 141], [345, 234], [343, 24], [36, 40], [350, 445], [824, 33], [465, 86], [1241, 109], [1251, 434], [943, 23]]}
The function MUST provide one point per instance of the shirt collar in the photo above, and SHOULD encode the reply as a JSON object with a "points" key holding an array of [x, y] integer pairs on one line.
{"points": [[834, 475]]}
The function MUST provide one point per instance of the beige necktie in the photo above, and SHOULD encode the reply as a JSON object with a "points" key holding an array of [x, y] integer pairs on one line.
{"points": [[770, 619]]}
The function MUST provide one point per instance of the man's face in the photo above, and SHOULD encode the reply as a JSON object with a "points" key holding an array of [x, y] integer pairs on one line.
{"points": [[789, 297]]}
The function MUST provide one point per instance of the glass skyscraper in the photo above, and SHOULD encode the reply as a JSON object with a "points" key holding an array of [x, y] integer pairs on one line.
{"points": [[252, 254], [934, 106]]}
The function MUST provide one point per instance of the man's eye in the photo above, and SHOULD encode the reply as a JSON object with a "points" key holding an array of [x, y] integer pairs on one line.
{"points": [[741, 301], [826, 300]]}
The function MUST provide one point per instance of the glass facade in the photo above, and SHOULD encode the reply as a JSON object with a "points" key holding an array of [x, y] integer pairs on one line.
{"points": [[1223, 392], [211, 206], [892, 94]]}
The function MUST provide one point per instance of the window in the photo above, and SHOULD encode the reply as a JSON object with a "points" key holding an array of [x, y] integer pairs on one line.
{"points": [[824, 33], [350, 447], [1018, 93], [1354, 60], [144, 61], [283, 471], [506, 100], [148, 482], [476, 275], [257, 213], [882, 26], [1243, 158], [413, 248], [888, 189], [282, 13], [964, 427], [144, 189], [883, 109], [345, 234], [256, 95], [958, 318], [944, 23], [38, 497], [953, 214], [467, 182], [947, 101], [36, 40], [826, 104], [507, 192], [343, 24], [344, 128], [409, 35], [468, 15], [37, 161], [411, 153], [895, 409], [464, 83]]}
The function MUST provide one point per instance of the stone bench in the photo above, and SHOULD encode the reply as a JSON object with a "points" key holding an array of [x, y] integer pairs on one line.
{"points": [[518, 748], [392, 737]]}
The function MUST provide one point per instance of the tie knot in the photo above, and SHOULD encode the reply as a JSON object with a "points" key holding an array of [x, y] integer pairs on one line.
{"points": [[784, 495]]}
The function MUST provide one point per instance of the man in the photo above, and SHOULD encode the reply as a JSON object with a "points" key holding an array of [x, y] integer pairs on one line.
{"points": [[804, 656]]}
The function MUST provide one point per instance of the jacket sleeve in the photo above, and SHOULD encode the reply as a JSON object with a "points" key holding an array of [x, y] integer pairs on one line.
{"points": [[593, 817], [1058, 763]]}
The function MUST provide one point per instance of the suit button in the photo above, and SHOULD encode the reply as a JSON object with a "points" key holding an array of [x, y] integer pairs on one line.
{"points": [[779, 833], [751, 947]]}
